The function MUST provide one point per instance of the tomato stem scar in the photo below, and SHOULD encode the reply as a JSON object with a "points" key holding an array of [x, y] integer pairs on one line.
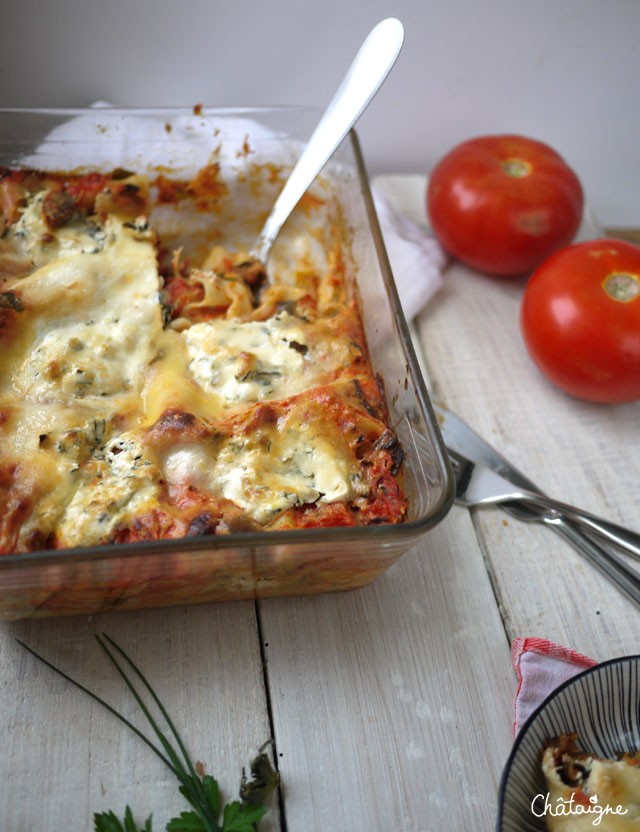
{"points": [[622, 286], [517, 168]]}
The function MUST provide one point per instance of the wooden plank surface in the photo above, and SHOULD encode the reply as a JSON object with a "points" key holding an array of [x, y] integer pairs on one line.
{"points": [[382, 698], [64, 757]]}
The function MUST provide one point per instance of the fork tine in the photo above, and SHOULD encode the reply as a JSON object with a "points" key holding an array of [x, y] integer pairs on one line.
{"points": [[478, 485], [462, 471]]}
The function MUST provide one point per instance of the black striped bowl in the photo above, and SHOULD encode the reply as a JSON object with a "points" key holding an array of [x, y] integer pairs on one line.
{"points": [[602, 705]]}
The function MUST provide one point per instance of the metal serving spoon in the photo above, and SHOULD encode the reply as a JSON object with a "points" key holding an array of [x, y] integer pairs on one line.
{"points": [[370, 67]]}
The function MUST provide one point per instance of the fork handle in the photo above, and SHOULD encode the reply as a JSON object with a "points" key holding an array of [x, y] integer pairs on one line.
{"points": [[624, 538], [614, 533], [627, 579]]}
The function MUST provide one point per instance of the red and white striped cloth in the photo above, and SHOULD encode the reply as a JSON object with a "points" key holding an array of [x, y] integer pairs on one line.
{"points": [[541, 666]]}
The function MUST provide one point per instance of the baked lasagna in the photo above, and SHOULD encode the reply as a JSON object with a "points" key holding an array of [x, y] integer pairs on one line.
{"points": [[147, 392], [588, 792]]}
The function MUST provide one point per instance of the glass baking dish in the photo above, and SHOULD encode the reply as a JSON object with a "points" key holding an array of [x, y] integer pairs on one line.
{"points": [[254, 149]]}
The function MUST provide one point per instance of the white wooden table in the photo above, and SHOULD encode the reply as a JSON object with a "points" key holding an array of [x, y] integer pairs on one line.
{"points": [[390, 707]]}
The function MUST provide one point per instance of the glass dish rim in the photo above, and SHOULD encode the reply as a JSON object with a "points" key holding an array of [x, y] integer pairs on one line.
{"points": [[393, 532]]}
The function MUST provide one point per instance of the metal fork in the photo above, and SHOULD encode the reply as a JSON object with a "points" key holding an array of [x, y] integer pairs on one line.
{"points": [[472, 482], [477, 484]]}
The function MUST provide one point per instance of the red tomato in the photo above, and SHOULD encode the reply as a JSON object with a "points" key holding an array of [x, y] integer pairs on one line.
{"points": [[501, 204], [580, 320]]}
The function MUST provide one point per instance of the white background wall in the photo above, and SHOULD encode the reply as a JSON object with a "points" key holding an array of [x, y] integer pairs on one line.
{"points": [[564, 71]]}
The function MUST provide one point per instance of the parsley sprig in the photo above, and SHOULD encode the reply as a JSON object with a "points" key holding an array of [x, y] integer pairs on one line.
{"points": [[201, 791]]}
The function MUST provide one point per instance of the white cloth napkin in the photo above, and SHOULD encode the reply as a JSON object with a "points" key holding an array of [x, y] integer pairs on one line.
{"points": [[541, 666], [416, 258]]}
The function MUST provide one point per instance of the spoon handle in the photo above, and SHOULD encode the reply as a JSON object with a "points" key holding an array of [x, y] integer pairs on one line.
{"points": [[370, 67]]}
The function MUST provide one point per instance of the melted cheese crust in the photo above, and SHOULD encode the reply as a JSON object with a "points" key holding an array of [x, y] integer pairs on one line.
{"points": [[138, 402]]}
